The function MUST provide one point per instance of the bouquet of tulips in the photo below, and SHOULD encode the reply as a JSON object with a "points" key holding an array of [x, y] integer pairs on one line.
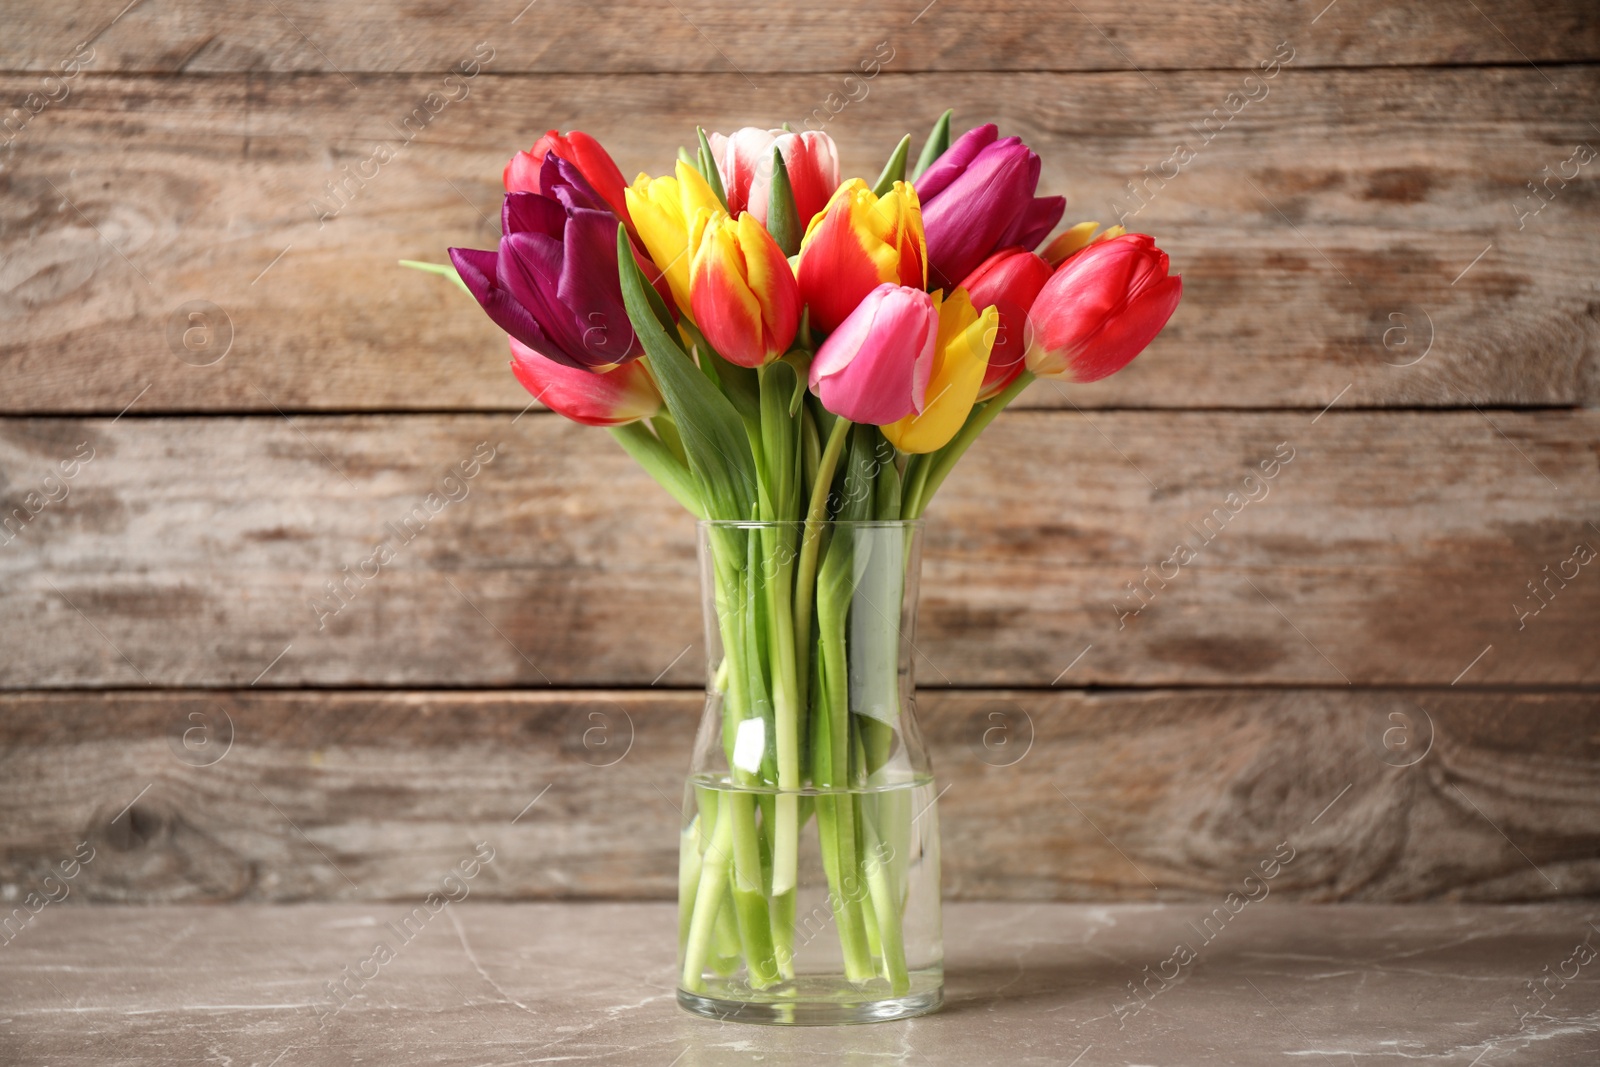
{"points": [[782, 348]]}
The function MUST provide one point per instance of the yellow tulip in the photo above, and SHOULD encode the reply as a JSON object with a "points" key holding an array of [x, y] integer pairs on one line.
{"points": [[670, 214], [960, 357]]}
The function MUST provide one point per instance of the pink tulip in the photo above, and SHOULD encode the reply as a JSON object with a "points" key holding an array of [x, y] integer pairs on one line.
{"points": [[1101, 308], [744, 160], [1008, 281], [595, 398], [875, 367]]}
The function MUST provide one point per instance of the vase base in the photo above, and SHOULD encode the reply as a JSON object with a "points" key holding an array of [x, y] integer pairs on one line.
{"points": [[797, 1010]]}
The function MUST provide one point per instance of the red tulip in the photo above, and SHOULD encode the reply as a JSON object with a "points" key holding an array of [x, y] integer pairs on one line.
{"points": [[1008, 281], [592, 397], [1101, 308], [582, 151]]}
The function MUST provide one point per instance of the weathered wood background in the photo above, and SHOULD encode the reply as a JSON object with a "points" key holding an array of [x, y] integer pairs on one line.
{"points": [[1358, 662]]}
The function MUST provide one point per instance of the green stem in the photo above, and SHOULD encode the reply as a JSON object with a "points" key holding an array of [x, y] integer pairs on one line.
{"points": [[810, 542], [707, 902], [659, 462], [951, 453]]}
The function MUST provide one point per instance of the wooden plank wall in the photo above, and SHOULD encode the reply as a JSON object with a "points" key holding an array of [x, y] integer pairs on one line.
{"points": [[1386, 654]]}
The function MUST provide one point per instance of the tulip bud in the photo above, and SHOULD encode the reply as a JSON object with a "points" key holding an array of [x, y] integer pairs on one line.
{"points": [[744, 295], [960, 357], [859, 242], [978, 197], [1008, 282], [670, 214], [521, 174], [875, 367], [608, 397], [744, 160], [1101, 308]]}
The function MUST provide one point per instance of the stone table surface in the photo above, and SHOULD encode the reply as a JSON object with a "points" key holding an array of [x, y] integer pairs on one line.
{"points": [[492, 984]]}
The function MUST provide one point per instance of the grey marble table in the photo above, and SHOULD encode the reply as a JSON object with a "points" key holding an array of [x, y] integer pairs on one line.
{"points": [[487, 984]]}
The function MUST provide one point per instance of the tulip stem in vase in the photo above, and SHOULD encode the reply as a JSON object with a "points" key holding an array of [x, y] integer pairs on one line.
{"points": [[800, 362]]}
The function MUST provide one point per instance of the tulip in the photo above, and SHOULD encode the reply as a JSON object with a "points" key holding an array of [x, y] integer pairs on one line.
{"points": [[553, 283], [857, 243], [593, 397], [744, 159], [1008, 282], [875, 367], [977, 197], [670, 214], [522, 173], [960, 357], [1101, 308], [743, 292]]}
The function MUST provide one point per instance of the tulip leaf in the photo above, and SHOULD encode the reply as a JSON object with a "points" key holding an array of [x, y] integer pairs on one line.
{"points": [[446, 270], [712, 431], [708, 168], [894, 170], [937, 142], [783, 220]]}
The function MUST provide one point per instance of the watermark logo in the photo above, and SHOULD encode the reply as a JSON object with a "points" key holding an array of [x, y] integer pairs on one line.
{"points": [[199, 333], [202, 737]]}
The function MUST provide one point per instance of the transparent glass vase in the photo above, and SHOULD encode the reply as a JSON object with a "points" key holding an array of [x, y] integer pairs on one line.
{"points": [[809, 858]]}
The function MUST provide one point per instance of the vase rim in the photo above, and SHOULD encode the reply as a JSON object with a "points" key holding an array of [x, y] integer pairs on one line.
{"points": [[767, 524]]}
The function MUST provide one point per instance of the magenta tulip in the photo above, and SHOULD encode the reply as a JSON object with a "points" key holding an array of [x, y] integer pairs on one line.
{"points": [[1101, 308], [875, 367], [595, 398], [978, 197]]}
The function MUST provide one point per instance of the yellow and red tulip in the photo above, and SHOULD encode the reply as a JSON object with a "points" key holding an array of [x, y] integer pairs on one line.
{"points": [[1007, 282], [960, 357], [743, 291], [1101, 308], [599, 397], [875, 367], [857, 243], [670, 213]]}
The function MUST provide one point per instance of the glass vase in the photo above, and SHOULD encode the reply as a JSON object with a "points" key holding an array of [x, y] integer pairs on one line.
{"points": [[809, 857]]}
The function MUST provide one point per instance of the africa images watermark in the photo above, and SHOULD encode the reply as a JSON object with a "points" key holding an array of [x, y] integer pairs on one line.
{"points": [[353, 182], [1254, 88], [352, 982], [1253, 490], [1253, 889], [453, 488], [53, 489], [53, 889]]}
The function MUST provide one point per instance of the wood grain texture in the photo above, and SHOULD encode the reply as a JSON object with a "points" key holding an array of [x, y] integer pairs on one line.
{"points": [[618, 36], [242, 796], [1386, 548], [1351, 230]]}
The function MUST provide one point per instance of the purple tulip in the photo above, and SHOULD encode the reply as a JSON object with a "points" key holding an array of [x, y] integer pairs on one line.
{"points": [[553, 283], [978, 198]]}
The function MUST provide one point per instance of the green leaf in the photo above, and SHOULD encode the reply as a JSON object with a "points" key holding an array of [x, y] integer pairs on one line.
{"points": [[447, 270], [708, 168], [713, 433], [895, 169], [937, 142], [783, 220], [779, 439]]}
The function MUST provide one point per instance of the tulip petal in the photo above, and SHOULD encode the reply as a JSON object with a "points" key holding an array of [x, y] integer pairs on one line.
{"points": [[955, 160], [621, 395], [477, 271]]}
